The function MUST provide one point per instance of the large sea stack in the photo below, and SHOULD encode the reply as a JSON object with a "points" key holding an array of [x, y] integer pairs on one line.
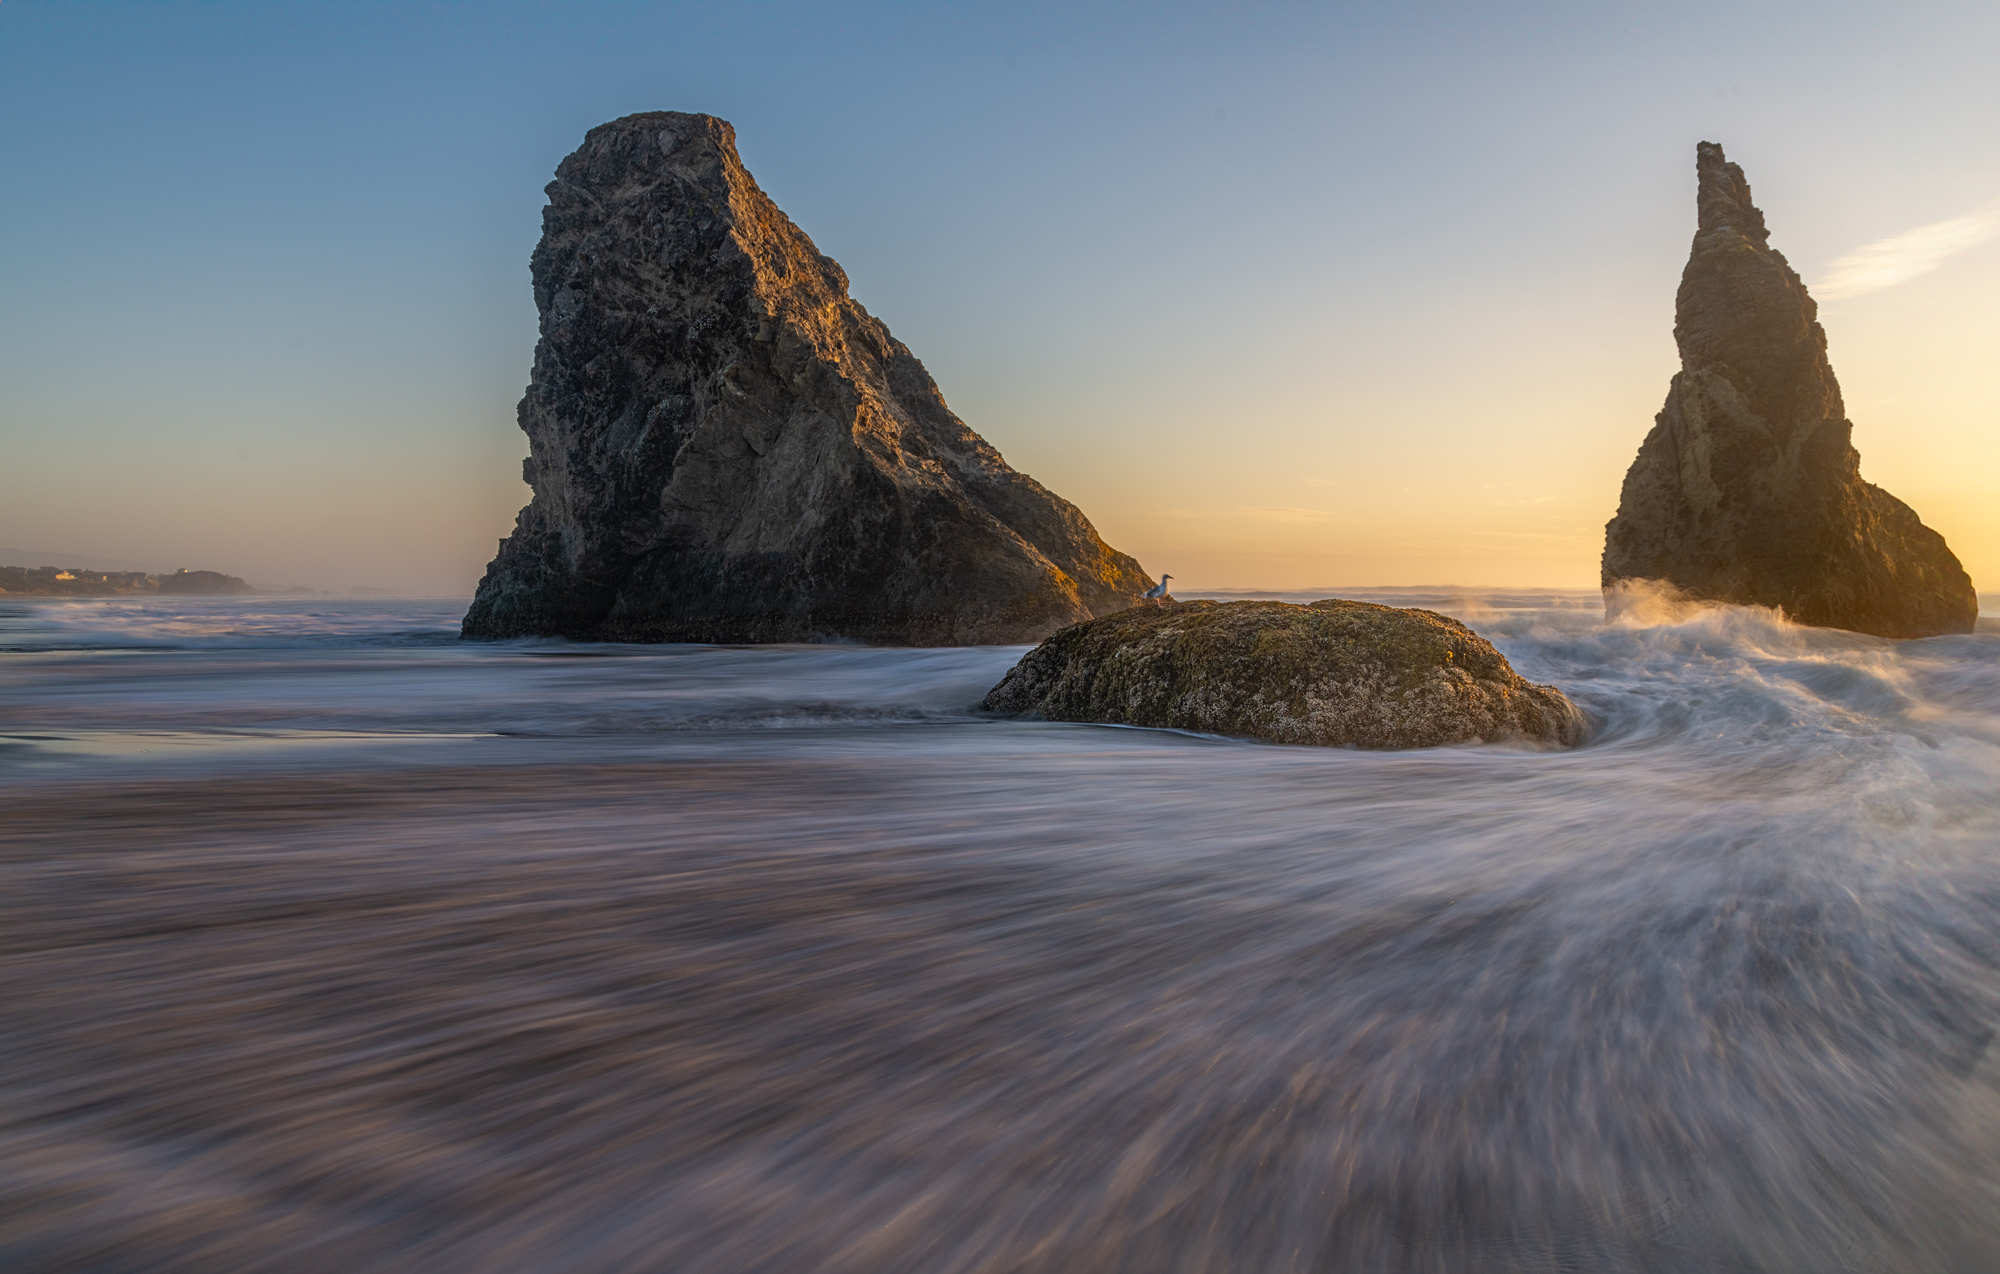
{"points": [[724, 446], [1748, 489]]}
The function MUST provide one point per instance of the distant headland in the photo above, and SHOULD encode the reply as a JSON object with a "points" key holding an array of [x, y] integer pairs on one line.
{"points": [[202, 583], [58, 581]]}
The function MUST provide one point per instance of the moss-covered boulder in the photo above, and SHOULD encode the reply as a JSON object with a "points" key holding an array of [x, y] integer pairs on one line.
{"points": [[1335, 673]]}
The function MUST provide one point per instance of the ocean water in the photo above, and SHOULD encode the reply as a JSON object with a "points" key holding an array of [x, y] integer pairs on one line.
{"points": [[332, 943]]}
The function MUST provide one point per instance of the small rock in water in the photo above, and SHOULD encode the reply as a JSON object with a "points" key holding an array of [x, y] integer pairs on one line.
{"points": [[1332, 673]]}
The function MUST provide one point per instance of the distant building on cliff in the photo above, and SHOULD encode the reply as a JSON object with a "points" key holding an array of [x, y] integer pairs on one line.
{"points": [[53, 581]]}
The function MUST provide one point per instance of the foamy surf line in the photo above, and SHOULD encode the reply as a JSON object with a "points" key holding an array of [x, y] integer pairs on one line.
{"points": [[124, 743], [751, 955], [754, 1007]]}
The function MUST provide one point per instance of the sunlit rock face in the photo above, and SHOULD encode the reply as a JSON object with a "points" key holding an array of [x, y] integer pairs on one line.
{"points": [[725, 446], [1336, 673], [1748, 489]]}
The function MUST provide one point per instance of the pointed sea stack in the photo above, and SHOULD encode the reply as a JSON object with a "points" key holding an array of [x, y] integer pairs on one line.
{"points": [[724, 446], [1748, 489]]}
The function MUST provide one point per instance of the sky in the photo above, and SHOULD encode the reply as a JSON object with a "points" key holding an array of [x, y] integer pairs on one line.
{"points": [[1283, 296]]}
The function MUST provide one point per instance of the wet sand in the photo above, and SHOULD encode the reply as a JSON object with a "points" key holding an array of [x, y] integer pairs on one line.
{"points": [[309, 964]]}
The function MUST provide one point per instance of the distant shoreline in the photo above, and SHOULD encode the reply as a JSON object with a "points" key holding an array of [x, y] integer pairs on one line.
{"points": [[62, 581], [56, 582], [51, 581]]}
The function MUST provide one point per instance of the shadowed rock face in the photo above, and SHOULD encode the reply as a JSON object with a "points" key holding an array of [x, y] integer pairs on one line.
{"points": [[1335, 673], [1748, 489], [724, 446]]}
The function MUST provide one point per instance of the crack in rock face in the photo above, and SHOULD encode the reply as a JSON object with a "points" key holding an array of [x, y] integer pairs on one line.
{"points": [[724, 446], [1748, 489]]}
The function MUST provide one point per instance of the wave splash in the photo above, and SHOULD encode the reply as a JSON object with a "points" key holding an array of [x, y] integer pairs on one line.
{"points": [[622, 977]]}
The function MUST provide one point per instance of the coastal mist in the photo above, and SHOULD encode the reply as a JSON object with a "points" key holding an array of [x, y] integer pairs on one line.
{"points": [[333, 943]]}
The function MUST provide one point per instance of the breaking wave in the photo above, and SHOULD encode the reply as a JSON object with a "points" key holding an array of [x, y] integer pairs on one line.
{"points": [[537, 955]]}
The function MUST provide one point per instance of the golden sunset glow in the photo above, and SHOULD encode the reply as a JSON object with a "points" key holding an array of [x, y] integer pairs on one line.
{"points": [[1410, 332]]}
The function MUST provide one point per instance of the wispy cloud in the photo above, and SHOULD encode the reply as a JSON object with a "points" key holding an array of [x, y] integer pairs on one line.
{"points": [[1282, 514], [1887, 262], [1291, 516], [1579, 535]]}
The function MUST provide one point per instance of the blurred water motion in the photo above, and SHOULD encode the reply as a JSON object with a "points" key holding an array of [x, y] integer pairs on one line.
{"points": [[401, 954]]}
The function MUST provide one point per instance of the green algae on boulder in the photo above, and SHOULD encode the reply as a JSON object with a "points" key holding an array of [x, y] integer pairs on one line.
{"points": [[1334, 673]]}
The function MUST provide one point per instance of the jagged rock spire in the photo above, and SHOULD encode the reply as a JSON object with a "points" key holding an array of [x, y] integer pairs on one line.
{"points": [[1748, 489], [724, 446], [1722, 198]]}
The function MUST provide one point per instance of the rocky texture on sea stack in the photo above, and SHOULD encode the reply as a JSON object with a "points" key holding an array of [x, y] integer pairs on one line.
{"points": [[1748, 489], [724, 446], [1332, 673]]}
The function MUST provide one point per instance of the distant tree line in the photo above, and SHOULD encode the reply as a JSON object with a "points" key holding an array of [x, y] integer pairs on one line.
{"points": [[69, 581]]}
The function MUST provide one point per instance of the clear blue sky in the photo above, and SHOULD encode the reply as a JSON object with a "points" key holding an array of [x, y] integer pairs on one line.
{"points": [[1281, 295]]}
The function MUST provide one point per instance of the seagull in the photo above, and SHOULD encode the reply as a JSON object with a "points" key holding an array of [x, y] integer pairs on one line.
{"points": [[1158, 591]]}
